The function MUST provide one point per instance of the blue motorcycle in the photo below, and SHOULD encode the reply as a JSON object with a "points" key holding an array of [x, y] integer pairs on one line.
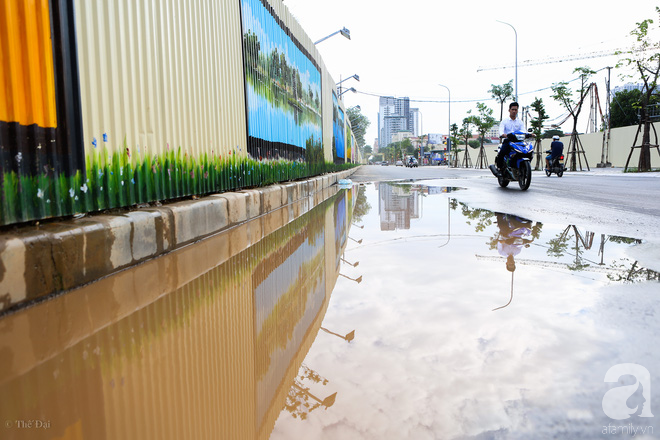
{"points": [[517, 167]]}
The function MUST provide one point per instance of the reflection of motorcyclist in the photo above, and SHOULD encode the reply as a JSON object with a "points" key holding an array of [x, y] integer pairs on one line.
{"points": [[515, 233], [410, 161]]}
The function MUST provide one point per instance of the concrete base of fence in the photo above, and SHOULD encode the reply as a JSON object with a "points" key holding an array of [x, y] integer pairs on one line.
{"points": [[38, 261]]}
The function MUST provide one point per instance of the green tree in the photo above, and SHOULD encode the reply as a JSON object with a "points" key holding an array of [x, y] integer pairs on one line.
{"points": [[647, 65], [537, 127], [541, 117], [483, 122], [455, 139], [359, 124], [465, 133], [550, 133], [501, 93], [624, 108], [473, 143], [564, 95]]}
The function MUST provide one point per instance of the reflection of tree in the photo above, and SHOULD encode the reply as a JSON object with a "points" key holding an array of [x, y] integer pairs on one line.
{"points": [[298, 400], [362, 206], [559, 245], [482, 217], [631, 272], [624, 240]]}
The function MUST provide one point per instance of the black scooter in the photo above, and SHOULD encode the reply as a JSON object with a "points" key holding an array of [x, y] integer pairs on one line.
{"points": [[557, 166]]}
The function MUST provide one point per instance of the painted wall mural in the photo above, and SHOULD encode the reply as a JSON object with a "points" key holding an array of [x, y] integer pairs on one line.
{"points": [[283, 88], [99, 121], [338, 137]]}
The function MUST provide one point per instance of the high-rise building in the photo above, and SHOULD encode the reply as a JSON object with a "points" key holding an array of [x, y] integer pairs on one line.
{"points": [[415, 122], [393, 116]]}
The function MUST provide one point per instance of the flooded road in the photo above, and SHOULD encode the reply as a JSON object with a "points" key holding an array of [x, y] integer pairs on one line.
{"points": [[387, 310]]}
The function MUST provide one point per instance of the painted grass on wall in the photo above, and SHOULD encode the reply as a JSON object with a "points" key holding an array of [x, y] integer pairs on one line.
{"points": [[129, 177]]}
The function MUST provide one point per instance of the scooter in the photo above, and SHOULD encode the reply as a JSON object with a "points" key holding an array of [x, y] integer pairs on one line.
{"points": [[517, 167], [557, 166]]}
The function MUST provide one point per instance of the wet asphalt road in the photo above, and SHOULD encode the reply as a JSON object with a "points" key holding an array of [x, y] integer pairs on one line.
{"points": [[606, 200]]}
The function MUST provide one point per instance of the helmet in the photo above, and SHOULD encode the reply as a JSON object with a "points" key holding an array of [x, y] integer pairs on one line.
{"points": [[555, 138]]}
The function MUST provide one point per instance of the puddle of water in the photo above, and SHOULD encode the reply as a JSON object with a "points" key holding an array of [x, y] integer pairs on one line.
{"points": [[202, 343], [435, 354], [388, 311]]}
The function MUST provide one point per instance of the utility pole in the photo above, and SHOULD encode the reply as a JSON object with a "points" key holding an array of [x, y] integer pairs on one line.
{"points": [[605, 154]]}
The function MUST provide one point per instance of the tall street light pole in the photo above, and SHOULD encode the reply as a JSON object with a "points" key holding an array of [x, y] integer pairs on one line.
{"points": [[516, 33], [448, 125], [345, 32]]}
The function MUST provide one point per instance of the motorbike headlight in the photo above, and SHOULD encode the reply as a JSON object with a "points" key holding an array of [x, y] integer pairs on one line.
{"points": [[520, 137]]}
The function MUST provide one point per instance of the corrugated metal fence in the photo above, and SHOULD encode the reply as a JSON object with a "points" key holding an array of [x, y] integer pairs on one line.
{"points": [[130, 102]]}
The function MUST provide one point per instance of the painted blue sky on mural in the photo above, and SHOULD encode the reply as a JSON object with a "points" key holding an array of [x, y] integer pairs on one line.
{"points": [[287, 107]]}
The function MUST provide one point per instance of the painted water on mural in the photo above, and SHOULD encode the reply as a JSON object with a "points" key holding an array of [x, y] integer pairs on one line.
{"points": [[283, 84]]}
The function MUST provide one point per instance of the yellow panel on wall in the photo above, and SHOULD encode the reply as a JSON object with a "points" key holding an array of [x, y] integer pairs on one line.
{"points": [[27, 84]]}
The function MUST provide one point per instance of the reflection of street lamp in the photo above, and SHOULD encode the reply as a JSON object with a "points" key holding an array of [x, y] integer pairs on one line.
{"points": [[327, 402], [357, 241], [356, 264], [348, 338], [345, 32], [448, 223], [510, 299], [516, 33], [357, 280]]}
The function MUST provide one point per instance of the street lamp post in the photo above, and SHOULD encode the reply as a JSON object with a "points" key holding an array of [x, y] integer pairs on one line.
{"points": [[345, 32], [357, 78], [448, 124], [352, 89], [516, 34]]}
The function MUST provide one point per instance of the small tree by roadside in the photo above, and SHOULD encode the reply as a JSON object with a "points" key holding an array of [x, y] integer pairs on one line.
{"points": [[465, 133], [501, 93], [537, 128], [648, 69], [482, 122], [564, 95]]}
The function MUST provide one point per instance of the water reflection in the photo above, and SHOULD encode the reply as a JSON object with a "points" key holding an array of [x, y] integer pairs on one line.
{"points": [[431, 359], [206, 342]]}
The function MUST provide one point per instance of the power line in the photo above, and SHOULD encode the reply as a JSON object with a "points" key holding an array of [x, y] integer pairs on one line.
{"points": [[574, 57], [378, 95]]}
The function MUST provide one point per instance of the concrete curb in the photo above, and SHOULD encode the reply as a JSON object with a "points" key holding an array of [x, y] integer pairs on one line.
{"points": [[38, 261]]}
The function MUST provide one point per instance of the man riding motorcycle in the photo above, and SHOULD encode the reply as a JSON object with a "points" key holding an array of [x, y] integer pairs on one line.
{"points": [[557, 149], [508, 125]]}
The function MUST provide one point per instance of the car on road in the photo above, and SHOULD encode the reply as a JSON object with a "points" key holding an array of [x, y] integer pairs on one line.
{"points": [[399, 163], [384, 163]]}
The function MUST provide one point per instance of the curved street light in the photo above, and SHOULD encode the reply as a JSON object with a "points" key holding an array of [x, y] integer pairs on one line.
{"points": [[352, 89], [448, 125], [357, 78], [345, 32], [516, 33]]}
